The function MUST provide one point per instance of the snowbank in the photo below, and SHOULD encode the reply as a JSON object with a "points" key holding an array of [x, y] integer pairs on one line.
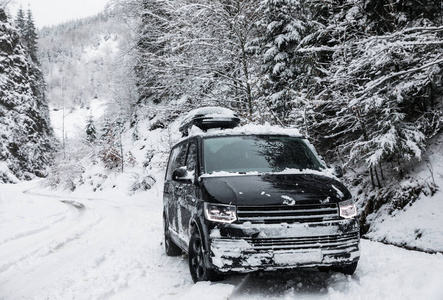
{"points": [[419, 225]]}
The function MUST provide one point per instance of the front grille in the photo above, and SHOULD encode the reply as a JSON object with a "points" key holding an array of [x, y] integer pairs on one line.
{"points": [[287, 214], [327, 242]]}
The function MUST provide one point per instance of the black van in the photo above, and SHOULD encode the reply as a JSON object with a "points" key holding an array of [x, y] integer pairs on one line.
{"points": [[255, 198]]}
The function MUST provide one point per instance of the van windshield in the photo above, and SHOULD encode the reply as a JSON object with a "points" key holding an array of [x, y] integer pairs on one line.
{"points": [[242, 154]]}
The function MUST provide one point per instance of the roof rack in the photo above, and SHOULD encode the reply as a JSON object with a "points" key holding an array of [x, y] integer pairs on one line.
{"points": [[209, 117]]}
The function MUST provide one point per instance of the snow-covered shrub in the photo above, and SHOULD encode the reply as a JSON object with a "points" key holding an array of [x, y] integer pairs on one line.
{"points": [[141, 182], [110, 145], [111, 157], [96, 181], [65, 174], [148, 158], [130, 159]]}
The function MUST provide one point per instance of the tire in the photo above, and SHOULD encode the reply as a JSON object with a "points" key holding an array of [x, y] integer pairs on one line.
{"points": [[171, 248], [197, 266]]}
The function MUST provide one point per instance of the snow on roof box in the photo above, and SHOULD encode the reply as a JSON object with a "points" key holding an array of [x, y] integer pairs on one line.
{"points": [[209, 117]]}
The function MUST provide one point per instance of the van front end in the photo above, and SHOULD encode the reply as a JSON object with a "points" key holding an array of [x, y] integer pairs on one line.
{"points": [[249, 247], [283, 237]]}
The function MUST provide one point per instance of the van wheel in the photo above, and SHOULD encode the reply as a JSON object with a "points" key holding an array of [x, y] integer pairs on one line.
{"points": [[171, 248], [199, 271]]}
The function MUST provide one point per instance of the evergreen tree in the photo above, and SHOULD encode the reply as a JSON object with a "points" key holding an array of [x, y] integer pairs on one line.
{"points": [[20, 22], [90, 130], [106, 129], [285, 71], [30, 36], [28, 32], [27, 144]]}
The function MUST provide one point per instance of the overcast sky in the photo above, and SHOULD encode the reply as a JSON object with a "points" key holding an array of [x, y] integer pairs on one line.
{"points": [[51, 12]]}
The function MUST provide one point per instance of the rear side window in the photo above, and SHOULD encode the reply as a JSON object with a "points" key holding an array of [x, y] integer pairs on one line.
{"points": [[176, 159], [191, 161]]}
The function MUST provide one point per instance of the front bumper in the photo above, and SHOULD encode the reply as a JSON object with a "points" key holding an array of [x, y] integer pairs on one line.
{"points": [[250, 247]]}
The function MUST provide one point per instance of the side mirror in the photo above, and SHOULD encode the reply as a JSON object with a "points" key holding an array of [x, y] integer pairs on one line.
{"points": [[337, 171], [181, 174]]}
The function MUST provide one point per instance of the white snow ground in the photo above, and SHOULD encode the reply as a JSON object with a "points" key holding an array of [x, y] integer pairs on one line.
{"points": [[59, 245]]}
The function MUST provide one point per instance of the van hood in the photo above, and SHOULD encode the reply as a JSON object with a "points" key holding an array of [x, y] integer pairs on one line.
{"points": [[273, 189]]}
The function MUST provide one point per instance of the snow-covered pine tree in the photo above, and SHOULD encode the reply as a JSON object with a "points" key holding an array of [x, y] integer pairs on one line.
{"points": [[28, 32], [27, 144], [285, 71], [30, 36], [20, 21], [378, 92], [90, 130]]}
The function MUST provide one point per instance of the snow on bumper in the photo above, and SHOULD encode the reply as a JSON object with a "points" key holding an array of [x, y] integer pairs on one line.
{"points": [[249, 247]]}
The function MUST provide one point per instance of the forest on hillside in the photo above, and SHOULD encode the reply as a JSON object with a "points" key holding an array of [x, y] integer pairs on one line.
{"points": [[362, 78]]}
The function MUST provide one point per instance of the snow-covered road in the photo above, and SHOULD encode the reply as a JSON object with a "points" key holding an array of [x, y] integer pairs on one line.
{"points": [[109, 246]]}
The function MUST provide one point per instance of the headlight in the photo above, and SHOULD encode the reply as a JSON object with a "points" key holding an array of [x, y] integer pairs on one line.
{"points": [[220, 213], [347, 209]]}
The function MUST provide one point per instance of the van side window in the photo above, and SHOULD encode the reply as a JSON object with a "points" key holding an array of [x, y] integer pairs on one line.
{"points": [[191, 162], [177, 160]]}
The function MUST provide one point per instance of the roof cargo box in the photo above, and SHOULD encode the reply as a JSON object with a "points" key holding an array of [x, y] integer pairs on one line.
{"points": [[209, 117]]}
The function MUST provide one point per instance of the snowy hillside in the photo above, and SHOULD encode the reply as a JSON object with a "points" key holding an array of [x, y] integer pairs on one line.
{"points": [[419, 224]]}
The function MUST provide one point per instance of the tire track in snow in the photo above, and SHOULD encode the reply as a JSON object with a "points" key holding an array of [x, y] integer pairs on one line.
{"points": [[45, 240], [104, 258], [60, 218], [124, 261]]}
